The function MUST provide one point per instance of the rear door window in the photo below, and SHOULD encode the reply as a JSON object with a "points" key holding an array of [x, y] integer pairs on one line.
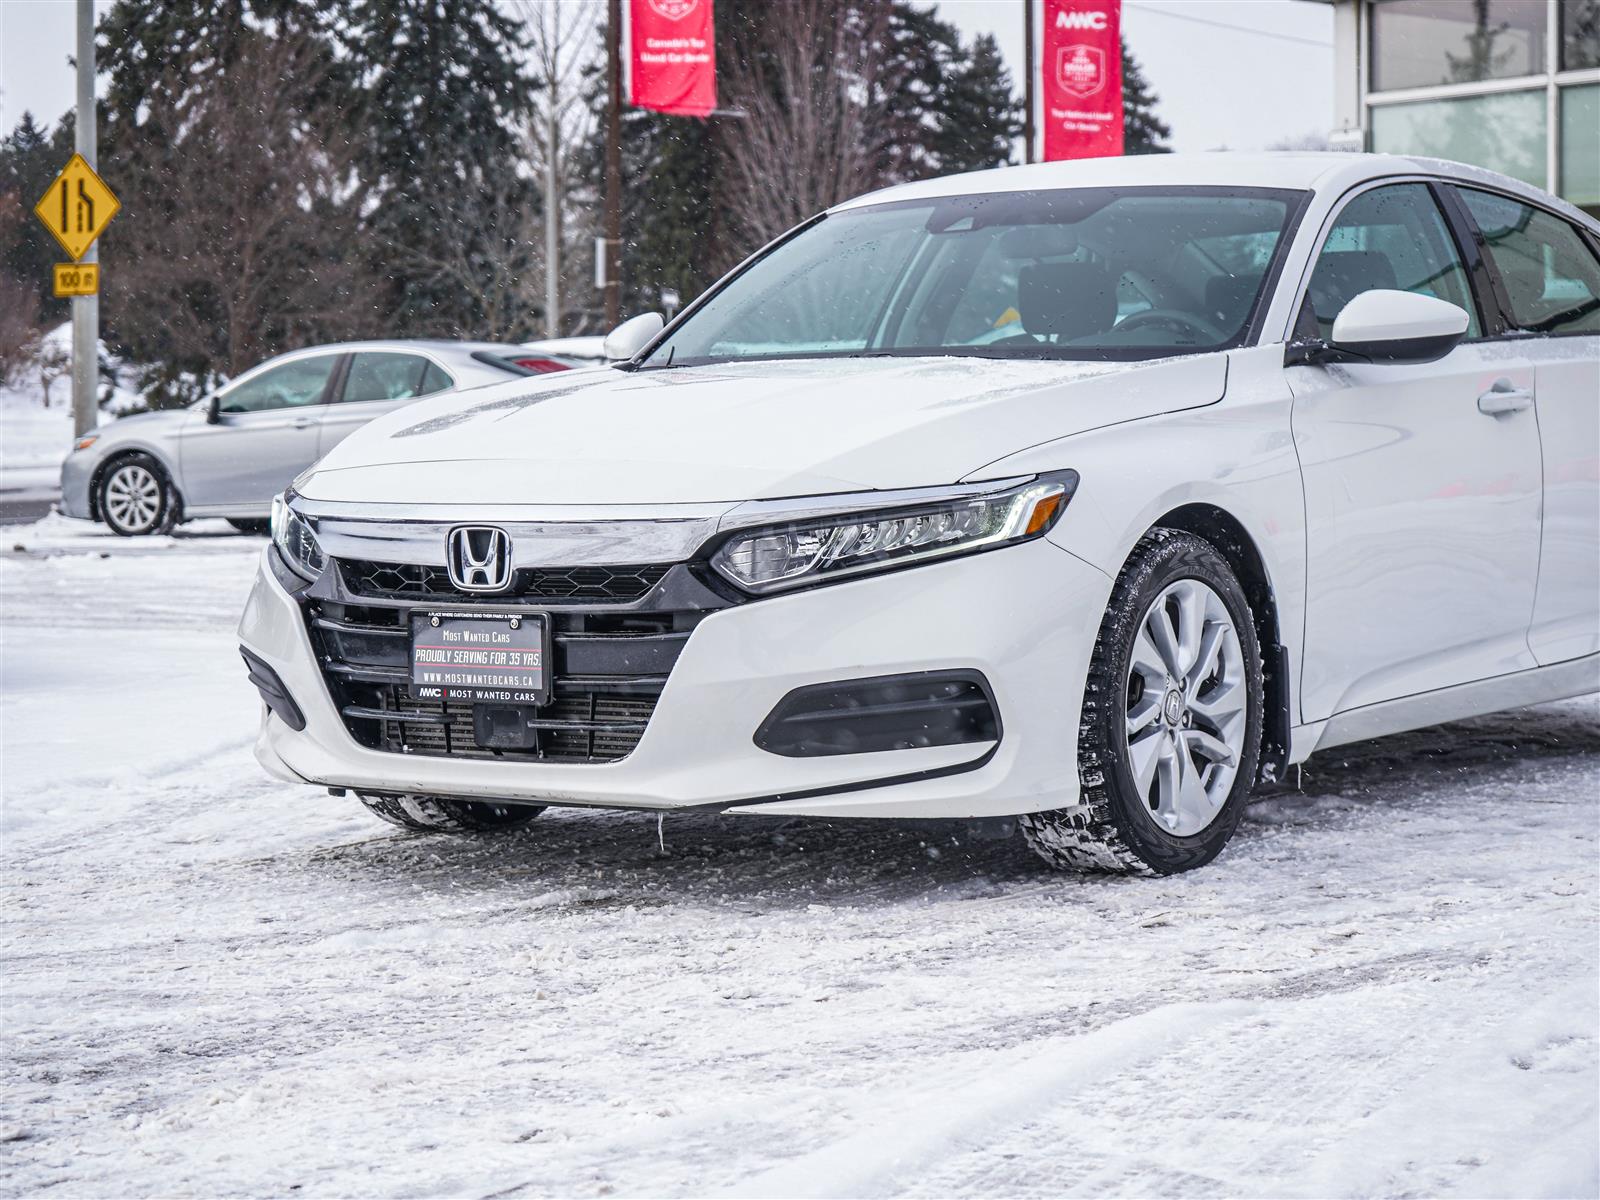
{"points": [[1551, 278], [390, 375]]}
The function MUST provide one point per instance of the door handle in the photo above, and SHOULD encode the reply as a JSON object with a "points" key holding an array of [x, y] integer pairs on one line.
{"points": [[308, 422], [1503, 398]]}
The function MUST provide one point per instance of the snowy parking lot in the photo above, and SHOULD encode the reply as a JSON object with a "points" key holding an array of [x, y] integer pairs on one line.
{"points": [[215, 984]]}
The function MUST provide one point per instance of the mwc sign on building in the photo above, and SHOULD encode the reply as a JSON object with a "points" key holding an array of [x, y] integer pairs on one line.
{"points": [[1082, 70]]}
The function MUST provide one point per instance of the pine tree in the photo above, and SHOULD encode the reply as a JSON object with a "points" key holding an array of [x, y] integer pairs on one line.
{"points": [[939, 107], [978, 117], [224, 119], [1142, 131], [29, 160], [444, 93]]}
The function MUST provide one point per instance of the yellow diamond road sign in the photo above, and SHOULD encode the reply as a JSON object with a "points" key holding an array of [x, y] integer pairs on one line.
{"points": [[77, 207]]}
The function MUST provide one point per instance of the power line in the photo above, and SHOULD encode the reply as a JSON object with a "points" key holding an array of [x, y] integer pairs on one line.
{"points": [[1282, 37]]}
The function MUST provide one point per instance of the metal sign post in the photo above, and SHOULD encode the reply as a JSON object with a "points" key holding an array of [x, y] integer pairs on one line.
{"points": [[86, 309]]}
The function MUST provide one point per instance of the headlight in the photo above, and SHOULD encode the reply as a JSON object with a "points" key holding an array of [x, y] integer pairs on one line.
{"points": [[292, 535], [826, 548]]}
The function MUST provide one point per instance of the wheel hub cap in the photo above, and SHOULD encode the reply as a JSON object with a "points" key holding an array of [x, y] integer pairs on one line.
{"points": [[1172, 707], [1185, 697]]}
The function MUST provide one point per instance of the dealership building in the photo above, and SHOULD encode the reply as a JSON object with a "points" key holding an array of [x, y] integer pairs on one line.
{"points": [[1513, 85]]}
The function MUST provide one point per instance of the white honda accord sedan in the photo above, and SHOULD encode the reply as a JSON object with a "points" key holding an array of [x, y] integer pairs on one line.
{"points": [[1087, 493]]}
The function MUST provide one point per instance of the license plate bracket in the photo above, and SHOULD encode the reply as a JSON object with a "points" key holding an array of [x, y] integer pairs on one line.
{"points": [[497, 658]]}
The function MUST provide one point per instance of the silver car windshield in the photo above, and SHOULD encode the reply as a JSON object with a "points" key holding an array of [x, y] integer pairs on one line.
{"points": [[1076, 273]]}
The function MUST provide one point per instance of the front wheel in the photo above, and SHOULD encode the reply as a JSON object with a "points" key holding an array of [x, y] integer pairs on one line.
{"points": [[439, 815], [1170, 730], [136, 498]]}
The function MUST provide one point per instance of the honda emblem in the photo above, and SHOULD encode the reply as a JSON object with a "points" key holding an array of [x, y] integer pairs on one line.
{"points": [[479, 558]]}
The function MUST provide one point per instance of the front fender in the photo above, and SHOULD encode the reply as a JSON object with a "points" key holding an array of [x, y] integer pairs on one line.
{"points": [[1237, 456]]}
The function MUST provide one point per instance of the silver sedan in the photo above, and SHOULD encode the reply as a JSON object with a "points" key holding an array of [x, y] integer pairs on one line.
{"points": [[229, 454]]}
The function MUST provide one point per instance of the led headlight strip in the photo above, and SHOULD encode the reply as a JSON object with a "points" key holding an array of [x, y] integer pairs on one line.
{"points": [[293, 536], [822, 549]]}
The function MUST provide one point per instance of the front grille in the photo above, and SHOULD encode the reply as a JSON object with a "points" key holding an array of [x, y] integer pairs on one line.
{"points": [[410, 581], [607, 671]]}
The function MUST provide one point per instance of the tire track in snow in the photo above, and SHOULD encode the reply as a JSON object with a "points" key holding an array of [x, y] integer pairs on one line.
{"points": [[955, 1114]]}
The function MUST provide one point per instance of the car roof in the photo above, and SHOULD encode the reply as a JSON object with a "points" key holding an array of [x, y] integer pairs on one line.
{"points": [[1327, 171], [436, 345]]}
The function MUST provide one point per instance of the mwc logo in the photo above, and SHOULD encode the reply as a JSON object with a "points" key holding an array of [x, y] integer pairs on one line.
{"points": [[1082, 20], [674, 10]]}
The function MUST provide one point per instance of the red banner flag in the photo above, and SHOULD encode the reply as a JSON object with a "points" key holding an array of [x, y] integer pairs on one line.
{"points": [[672, 57], [1082, 67]]}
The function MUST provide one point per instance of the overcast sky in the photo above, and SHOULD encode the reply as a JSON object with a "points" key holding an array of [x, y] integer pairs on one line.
{"points": [[1241, 74]]}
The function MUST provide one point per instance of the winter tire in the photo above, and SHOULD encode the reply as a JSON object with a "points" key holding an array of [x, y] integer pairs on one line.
{"points": [[1170, 730], [435, 814], [136, 498]]}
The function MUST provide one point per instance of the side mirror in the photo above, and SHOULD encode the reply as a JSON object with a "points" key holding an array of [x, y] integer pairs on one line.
{"points": [[214, 410], [632, 336], [1389, 327]]}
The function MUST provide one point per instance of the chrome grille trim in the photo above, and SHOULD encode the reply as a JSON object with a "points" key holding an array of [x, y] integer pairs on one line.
{"points": [[588, 535]]}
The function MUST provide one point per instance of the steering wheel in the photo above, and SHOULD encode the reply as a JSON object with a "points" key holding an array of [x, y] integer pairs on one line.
{"points": [[1170, 317]]}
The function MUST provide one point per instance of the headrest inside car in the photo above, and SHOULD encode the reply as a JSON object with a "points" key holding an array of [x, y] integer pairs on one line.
{"points": [[1066, 300], [1342, 275]]}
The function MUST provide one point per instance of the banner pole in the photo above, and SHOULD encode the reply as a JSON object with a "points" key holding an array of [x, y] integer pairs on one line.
{"points": [[613, 216], [1027, 75]]}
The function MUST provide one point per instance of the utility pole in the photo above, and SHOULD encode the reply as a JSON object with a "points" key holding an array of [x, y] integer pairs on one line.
{"points": [[552, 225], [1027, 78], [613, 238], [86, 309]]}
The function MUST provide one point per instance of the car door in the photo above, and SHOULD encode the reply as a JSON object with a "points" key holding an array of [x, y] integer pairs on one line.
{"points": [[1422, 480], [264, 435], [1549, 284], [377, 382]]}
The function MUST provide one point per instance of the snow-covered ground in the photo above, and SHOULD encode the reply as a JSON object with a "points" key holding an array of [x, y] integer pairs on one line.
{"points": [[215, 984], [35, 436]]}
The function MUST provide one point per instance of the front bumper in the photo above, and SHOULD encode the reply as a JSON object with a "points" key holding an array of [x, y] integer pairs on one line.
{"points": [[1026, 617], [77, 472]]}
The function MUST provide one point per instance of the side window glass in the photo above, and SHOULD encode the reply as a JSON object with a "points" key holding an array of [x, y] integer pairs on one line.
{"points": [[435, 380], [1551, 279], [384, 375], [1394, 238], [293, 385]]}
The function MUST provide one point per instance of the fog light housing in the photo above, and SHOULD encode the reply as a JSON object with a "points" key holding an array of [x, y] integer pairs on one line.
{"points": [[886, 712]]}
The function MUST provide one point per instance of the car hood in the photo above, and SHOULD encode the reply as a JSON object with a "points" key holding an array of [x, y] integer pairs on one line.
{"points": [[747, 431], [145, 424]]}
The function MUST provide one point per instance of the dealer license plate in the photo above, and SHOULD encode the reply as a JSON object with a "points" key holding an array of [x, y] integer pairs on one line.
{"points": [[500, 658]]}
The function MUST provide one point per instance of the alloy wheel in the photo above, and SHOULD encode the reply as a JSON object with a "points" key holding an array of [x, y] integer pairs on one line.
{"points": [[133, 497], [1186, 707]]}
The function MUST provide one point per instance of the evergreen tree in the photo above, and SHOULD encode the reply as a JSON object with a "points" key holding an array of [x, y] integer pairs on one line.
{"points": [[978, 117], [443, 94], [224, 119], [29, 159], [940, 106], [1142, 131]]}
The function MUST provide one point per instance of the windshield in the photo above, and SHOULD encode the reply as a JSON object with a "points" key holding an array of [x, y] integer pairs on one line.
{"points": [[1079, 273]]}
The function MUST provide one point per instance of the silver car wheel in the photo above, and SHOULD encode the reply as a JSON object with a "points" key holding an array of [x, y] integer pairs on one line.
{"points": [[1187, 707], [133, 497]]}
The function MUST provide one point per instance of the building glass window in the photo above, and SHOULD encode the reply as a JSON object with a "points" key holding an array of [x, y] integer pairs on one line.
{"points": [[1580, 35], [1503, 131], [1422, 43], [1580, 145]]}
